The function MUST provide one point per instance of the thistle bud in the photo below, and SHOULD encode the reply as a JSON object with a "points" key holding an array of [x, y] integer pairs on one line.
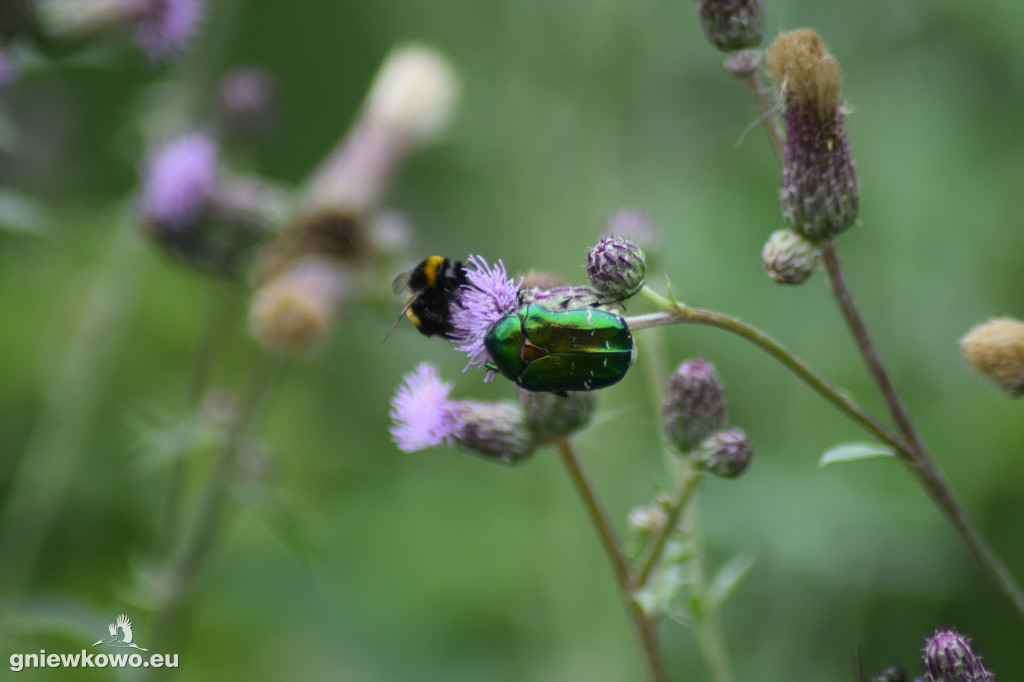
{"points": [[695, 405], [819, 193], [616, 268], [296, 308], [789, 258], [553, 416], [732, 24], [996, 349], [724, 453], [495, 430], [948, 657]]}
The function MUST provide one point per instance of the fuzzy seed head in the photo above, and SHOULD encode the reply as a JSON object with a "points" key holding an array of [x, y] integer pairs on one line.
{"points": [[996, 350], [724, 453], [732, 24], [803, 69], [949, 657], [414, 92], [296, 308], [616, 268], [694, 406], [789, 258]]}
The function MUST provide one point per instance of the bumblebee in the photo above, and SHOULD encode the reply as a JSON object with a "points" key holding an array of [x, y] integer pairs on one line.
{"points": [[430, 290]]}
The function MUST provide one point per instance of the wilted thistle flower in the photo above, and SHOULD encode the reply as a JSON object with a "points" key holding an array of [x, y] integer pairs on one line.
{"points": [[410, 101], [948, 657], [694, 406], [490, 296], [296, 308], [552, 416], [423, 416], [616, 268], [724, 453], [996, 349], [819, 192], [207, 217], [789, 258], [732, 24], [162, 28], [247, 103]]}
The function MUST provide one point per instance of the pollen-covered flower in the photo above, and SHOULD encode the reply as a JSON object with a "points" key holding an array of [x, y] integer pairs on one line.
{"points": [[949, 657], [694, 406], [616, 268], [178, 180], [489, 296], [421, 413], [819, 193]]}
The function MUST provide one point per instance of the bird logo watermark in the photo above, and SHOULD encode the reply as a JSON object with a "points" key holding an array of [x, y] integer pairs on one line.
{"points": [[120, 634]]}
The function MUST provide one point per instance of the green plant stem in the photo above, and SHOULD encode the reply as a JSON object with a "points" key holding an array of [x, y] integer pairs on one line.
{"points": [[643, 625], [909, 451], [914, 454], [674, 313], [686, 491], [213, 325], [179, 577], [709, 626]]}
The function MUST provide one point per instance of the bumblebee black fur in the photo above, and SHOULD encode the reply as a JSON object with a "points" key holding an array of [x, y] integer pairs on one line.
{"points": [[431, 289]]}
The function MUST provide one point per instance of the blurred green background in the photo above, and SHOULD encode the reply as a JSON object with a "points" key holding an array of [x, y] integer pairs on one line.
{"points": [[344, 558]]}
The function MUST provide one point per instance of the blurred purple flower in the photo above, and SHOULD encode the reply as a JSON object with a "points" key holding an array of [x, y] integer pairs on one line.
{"points": [[179, 178], [489, 296], [422, 414], [166, 26]]}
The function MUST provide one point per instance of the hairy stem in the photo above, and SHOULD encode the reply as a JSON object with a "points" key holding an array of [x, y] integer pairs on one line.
{"points": [[643, 625], [197, 540]]}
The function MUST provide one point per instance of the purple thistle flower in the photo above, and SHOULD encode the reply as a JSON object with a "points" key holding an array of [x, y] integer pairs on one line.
{"points": [[949, 657], [422, 414], [166, 26], [178, 180], [489, 296]]}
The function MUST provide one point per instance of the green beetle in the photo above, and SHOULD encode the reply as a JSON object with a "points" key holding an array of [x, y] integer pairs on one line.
{"points": [[540, 349]]}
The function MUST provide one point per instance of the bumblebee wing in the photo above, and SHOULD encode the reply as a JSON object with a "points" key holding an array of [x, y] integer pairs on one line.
{"points": [[400, 284], [405, 309]]}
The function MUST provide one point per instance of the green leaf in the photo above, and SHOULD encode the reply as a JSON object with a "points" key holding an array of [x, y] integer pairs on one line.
{"points": [[728, 577], [852, 452]]}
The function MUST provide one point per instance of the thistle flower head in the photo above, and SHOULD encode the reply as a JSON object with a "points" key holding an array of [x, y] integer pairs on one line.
{"points": [[820, 192], [616, 268], [996, 349], [178, 180], [724, 453], [421, 413], [166, 27], [496, 431], [789, 258], [732, 24], [949, 657], [489, 296], [695, 405], [554, 416]]}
